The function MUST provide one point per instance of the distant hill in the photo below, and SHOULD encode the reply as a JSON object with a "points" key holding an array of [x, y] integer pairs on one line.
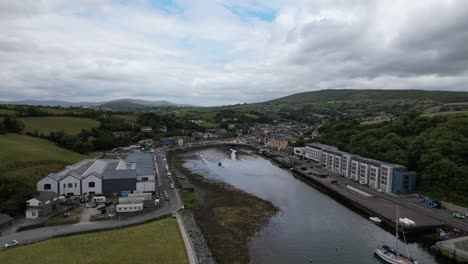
{"points": [[372, 95], [116, 105]]}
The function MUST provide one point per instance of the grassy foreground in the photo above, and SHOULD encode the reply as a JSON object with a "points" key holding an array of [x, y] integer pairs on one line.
{"points": [[156, 242], [47, 124]]}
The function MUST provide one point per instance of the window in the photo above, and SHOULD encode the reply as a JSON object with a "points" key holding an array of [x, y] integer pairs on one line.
{"points": [[64, 185], [70, 185], [47, 186], [91, 184], [33, 213], [144, 179], [76, 185]]}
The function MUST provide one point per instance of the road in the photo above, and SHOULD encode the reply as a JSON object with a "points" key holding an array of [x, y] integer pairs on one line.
{"points": [[169, 207], [443, 216]]}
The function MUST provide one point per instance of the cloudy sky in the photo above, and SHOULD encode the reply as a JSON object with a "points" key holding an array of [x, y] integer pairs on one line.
{"points": [[227, 51]]}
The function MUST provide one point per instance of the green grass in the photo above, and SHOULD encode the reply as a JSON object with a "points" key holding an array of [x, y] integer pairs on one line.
{"points": [[129, 118], [75, 212], [71, 125], [59, 111], [24, 148], [373, 122], [7, 112], [445, 113], [156, 242], [189, 200]]}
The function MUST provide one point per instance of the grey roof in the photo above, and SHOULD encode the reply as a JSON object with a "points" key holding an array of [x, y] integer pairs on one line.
{"points": [[4, 218], [112, 166], [119, 174], [45, 196], [54, 176], [85, 166], [144, 163]]}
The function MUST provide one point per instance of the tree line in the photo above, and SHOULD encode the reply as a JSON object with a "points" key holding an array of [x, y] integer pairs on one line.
{"points": [[436, 148]]}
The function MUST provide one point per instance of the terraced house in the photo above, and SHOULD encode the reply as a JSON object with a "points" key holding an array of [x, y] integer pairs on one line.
{"points": [[391, 178], [103, 176]]}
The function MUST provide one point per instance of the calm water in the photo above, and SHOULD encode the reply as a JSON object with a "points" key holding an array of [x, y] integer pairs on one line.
{"points": [[310, 225]]}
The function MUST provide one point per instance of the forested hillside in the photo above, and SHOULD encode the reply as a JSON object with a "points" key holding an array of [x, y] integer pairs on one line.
{"points": [[436, 148]]}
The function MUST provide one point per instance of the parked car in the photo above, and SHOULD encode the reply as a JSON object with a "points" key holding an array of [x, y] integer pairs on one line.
{"points": [[88, 205], [156, 201], [172, 185], [362, 182], [458, 215], [12, 244], [379, 190]]}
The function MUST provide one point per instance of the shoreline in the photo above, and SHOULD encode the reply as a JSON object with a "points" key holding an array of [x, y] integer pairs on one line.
{"points": [[227, 217]]}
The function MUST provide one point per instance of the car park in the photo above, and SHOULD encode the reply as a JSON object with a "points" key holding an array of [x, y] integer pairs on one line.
{"points": [[12, 244]]}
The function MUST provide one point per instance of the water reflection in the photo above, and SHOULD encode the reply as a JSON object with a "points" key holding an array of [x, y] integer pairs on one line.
{"points": [[310, 225]]}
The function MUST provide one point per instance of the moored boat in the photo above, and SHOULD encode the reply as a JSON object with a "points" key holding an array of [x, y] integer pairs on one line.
{"points": [[375, 219]]}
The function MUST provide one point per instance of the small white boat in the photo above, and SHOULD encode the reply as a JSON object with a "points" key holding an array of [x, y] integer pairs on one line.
{"points": [[375, 219]]}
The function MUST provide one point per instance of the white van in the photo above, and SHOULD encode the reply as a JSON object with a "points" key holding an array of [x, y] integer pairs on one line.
{"points": [[99, 199]]}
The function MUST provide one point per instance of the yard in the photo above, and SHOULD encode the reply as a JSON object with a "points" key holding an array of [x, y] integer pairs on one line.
{"points": [[75, 212], [47, 124], [156, 242]]}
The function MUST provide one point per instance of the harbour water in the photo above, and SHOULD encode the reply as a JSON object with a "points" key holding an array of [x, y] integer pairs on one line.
{"points": [[311, 227]]}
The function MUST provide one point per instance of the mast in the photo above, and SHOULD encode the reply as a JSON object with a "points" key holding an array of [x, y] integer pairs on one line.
{"points": [[396, 230]]}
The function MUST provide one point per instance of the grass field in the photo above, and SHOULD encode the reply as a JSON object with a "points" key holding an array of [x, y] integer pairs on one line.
{"points": [[7, 112], [156, 242], [373, 122], [129, 118], [47, 124], [24, 148], [75, 212], [445, 113]]}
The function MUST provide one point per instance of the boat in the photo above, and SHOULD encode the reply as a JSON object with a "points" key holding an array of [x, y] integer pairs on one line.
{"points": [[393, 255], [375, 219]]}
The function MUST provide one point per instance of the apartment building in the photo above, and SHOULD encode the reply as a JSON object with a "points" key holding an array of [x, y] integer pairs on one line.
{"points": [[391, 178]]}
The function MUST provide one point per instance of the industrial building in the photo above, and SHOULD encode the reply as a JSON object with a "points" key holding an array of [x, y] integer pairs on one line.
{"points": [[135, 172], [390, 178]]}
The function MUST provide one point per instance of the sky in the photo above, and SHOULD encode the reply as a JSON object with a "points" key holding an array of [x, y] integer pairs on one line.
{"points": [[227, 51]]}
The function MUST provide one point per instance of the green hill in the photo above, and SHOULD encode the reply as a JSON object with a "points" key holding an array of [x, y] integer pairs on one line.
{"points": [[47, 124], [23, 161], [372, 95]]}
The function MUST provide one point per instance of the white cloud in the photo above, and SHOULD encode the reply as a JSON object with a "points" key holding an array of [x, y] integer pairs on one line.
{"points": [[202, 53]]}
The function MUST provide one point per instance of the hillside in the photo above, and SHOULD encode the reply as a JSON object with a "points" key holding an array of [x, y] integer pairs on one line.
{"points": [[372, 95], [47, 124], [24, 160], [436, 148], [116, 105]]}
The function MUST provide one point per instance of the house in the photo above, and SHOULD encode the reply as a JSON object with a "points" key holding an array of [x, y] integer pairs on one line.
{"points": [[41, 205], [50, 183], [5, 220]]}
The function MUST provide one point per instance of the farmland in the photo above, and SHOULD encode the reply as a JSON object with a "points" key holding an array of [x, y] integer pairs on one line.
{"points": [[21, 148], [156, 242], [70, 125]]}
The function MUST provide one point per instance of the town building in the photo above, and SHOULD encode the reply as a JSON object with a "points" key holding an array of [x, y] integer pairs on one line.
{"points": [[390, 178], [5, 221], [136, 171], [41, 205]]}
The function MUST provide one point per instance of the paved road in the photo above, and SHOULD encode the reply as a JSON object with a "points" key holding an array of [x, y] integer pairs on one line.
{"points": [[443, 216], [39, 234]]}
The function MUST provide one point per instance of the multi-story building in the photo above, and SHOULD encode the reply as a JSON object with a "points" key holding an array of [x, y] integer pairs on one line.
{"points": [[377, 174]]}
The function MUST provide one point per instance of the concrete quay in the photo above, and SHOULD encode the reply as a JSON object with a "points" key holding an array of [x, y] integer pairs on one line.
{"points": [[455, 249]]}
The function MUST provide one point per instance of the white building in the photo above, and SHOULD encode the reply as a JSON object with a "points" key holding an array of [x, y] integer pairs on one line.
{"points": [[97, 176], [376, 174]]}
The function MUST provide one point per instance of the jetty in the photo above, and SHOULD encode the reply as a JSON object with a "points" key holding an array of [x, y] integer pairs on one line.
{"points": [[455, 249]]}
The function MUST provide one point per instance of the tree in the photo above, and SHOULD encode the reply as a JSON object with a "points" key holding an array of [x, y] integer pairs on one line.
{"points": [[13, 124]]}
